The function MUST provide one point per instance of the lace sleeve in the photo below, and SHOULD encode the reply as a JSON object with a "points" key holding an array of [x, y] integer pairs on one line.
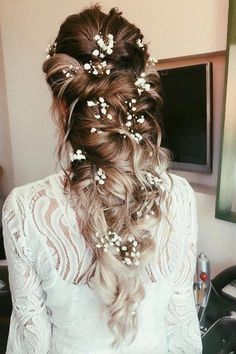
{"points": [[30, 326], [183, 331]]}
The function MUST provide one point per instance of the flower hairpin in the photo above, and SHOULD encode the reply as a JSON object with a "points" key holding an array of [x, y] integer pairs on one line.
{"points": [[103, 107], [141, 84], [132, 118], [154, 180], [97, 69], [105, 47], [100, 176], [131, 115], [136, 136], [95, 130], [153, 60], [140, 43], [51, 50], [78, 155], [126, 251], [70, 71], [130, 112]]}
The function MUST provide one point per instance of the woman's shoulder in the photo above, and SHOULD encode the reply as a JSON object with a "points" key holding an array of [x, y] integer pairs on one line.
{"points": [[27, 192], [178, 183]]}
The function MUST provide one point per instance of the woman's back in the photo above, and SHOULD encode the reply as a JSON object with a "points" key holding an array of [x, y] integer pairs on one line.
{"points": [[55, 311]]}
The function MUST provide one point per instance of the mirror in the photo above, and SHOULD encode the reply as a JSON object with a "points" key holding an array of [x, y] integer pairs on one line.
{"points": [[226, 187]]}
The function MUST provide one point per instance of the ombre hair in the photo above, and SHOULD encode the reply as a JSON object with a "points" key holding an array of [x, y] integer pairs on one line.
{"points": [[123, 202]]}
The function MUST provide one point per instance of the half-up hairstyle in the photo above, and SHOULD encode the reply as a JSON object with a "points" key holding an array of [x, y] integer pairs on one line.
{"points": [[128, 153]]}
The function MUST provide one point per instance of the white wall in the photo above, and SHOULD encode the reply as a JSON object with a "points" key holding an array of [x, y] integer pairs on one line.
{"points": [[174, 28], [7, 177]]}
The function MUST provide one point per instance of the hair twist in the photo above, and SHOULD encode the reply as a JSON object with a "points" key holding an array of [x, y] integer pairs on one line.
{"points": [[124, 142]]}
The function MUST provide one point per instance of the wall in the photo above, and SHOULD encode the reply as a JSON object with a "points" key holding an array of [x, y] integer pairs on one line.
{"points": [[174, 28], [7, 177]]}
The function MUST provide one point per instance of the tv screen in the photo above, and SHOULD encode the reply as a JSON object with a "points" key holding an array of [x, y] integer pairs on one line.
{"points": [[187, 116]]}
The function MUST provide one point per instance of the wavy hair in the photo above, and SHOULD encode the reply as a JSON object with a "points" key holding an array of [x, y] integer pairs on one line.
{"points": [[123, 202]]}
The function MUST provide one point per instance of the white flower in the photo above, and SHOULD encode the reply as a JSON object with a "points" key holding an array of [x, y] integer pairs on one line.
{"points": [[109, 51], [100, 176], [136, 136], [140, 43], [91, 103], [93, 130], [131, 238], [153, 60], [95, 72], [96, 52], [109, 116], [126, 252], [141, 84], [110, 36], [78, 155], [128, 261], [141, 119], [87, 66], [105, 47]]}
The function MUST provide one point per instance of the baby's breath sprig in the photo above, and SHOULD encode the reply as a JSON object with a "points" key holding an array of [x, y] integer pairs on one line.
{"points": [[126, 251], [70, 71], [142, 84], [103, 107], [78, 155], [100, 176], [105, 47], [51, 50], [97, 68]]}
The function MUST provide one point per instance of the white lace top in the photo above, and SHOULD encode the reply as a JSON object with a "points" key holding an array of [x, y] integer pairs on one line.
{"points": [[53, 313]]}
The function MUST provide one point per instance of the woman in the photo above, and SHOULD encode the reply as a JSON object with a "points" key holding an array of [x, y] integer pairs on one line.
{"points": [[102, 254]]}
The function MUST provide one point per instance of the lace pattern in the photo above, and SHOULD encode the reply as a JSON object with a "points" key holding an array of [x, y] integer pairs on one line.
{"points": [[53, 312]]}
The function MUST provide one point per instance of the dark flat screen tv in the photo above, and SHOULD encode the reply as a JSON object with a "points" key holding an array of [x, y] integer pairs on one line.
{"points": [[187, 116]]}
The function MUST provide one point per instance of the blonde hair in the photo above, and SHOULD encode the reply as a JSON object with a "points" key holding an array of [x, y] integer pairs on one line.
{"points": [[126, 197]]}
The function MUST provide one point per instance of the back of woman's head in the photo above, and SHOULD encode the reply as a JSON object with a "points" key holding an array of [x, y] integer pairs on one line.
{"points": [[107, 102]]}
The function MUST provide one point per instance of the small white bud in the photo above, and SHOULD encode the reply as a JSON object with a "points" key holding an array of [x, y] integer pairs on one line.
{"points": [[95, 52]]}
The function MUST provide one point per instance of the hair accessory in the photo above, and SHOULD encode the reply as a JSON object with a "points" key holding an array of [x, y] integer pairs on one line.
{"points": [[70, 71], [136, 136], [130, 112], [95, 130], [78, 155], [91, 103], [154, 180], [153, 60], [142, 84], [132, 118], [51, 50], [105, 47], [140, 43], [127, 251], [103, 107], [97, 69], [100, 176]]}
